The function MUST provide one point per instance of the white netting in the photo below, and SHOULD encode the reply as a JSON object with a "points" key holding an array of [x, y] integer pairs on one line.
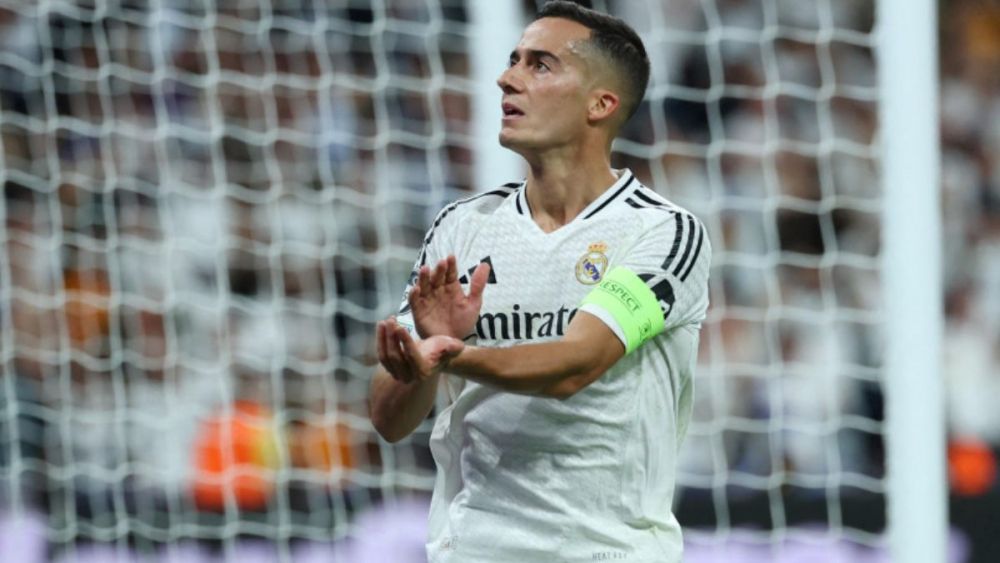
{"points": [[208, 204], [207, 207], [762, 120]]}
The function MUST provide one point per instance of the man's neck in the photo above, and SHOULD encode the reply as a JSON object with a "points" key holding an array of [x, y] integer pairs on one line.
{"points": [[559, 188]]}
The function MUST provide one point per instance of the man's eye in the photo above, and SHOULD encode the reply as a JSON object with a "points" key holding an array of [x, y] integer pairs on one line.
{"points": [[541, 66]]}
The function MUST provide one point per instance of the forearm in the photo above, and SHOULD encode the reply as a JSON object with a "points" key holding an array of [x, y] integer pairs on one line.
{"points": [[398, 408], [551, 369]]}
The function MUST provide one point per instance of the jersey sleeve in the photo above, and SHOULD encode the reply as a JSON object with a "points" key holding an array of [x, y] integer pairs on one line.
{"points": [[434, 249], [660, 283]]}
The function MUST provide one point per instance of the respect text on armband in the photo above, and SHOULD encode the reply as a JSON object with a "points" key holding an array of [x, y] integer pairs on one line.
{"points": [[619, 292]]}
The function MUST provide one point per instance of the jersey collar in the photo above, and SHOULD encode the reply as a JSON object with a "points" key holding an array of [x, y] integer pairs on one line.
{"points": [[625, 179]]}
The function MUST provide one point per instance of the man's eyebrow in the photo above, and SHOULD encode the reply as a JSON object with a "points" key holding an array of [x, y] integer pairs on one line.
{"points": [[535, 53]]}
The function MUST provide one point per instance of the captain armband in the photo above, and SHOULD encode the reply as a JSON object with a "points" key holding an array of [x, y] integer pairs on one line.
{"points": [[631, 303]]}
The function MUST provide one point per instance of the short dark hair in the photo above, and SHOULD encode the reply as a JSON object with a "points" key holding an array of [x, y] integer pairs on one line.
{"points": [[613, 38]]}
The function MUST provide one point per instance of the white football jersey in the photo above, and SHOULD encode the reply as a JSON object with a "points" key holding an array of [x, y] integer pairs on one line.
{"points": [[589, 478]]}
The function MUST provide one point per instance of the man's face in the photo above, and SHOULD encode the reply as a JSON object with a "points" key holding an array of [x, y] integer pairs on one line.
{"points": [[545, 87]]}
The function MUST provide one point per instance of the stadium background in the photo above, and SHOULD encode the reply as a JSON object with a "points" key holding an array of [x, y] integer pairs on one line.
{"points": [[208, 205]]}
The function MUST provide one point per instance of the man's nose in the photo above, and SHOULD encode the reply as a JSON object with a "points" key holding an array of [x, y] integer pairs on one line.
{"points": [[508, 80]]}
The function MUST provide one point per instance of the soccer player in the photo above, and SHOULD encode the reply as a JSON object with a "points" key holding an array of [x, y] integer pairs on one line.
{"points": [[561, 315]]}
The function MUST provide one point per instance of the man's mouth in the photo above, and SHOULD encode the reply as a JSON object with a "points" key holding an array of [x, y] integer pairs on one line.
{"points": [[510, 111]]}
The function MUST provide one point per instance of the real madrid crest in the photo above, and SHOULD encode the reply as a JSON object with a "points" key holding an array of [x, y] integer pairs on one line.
{"points": [[591, 266]]}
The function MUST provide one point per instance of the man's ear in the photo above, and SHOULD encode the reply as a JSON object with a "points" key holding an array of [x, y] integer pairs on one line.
{"points": [[603, 105]]}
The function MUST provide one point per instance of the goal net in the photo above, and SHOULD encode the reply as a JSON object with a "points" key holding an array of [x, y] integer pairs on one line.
{"points": [[761, 119], [208, 205]]}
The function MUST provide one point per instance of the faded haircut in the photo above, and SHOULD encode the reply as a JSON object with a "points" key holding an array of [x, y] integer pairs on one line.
{"points": [[615, 40]]}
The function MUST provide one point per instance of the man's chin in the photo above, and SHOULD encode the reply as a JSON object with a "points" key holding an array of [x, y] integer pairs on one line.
{"points": [[506, 140], [512, 141]]}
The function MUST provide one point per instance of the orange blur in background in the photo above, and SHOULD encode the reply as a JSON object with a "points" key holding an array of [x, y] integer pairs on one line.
{"points": [[245, 469]]}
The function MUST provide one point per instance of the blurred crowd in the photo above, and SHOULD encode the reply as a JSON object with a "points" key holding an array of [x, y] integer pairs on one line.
{"points": [[204, 215], [970, 135], [203, 219]]}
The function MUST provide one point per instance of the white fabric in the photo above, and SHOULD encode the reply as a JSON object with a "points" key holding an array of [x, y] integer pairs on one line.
{"points": [[608, 319], [590, 478]]}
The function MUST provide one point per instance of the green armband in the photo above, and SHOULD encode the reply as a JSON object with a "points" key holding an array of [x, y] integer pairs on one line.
{"points": [[627, 298], [630, 301]]}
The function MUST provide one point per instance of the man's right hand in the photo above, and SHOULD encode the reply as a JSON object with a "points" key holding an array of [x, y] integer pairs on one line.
{"points": [[408, 360], [403, 391], [439, 305]]}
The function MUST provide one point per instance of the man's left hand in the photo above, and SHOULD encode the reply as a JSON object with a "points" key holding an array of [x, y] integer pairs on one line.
{"points": [[408, 360], [440, 306]]}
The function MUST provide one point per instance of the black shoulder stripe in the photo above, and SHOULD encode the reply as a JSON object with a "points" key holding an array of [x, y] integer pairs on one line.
{"points": [[649, 200], [454, 206], [697, 250], [430, 233], [512, 185], [504, 190], [650, 204], [517, 203], [612, 198], [678, 235], [687, 247]]}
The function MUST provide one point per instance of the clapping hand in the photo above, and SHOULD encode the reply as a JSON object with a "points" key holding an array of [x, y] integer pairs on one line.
{"points": [[408, 360], [440, 306]]}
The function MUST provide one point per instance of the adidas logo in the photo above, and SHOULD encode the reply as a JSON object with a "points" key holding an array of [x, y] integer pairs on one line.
{"points": [[468, 275]]}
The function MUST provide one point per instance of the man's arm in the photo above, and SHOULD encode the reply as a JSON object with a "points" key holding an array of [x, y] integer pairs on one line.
{"points": [[556, 369], [405, 384], [399, 401], [397, 408]]}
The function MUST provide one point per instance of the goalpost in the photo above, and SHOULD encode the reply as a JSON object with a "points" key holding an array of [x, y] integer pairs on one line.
{"points": [[912, 280], [207, 205]]}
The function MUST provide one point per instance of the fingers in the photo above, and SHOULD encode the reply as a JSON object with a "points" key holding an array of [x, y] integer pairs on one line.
{"points": [[380, 343], [424, 280], [430, 356], [409, 346], [390, 352], [384, 347], [408, 349], [385, 356], [440, 274], [444, 272], [479, 279], [451, 275]]}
